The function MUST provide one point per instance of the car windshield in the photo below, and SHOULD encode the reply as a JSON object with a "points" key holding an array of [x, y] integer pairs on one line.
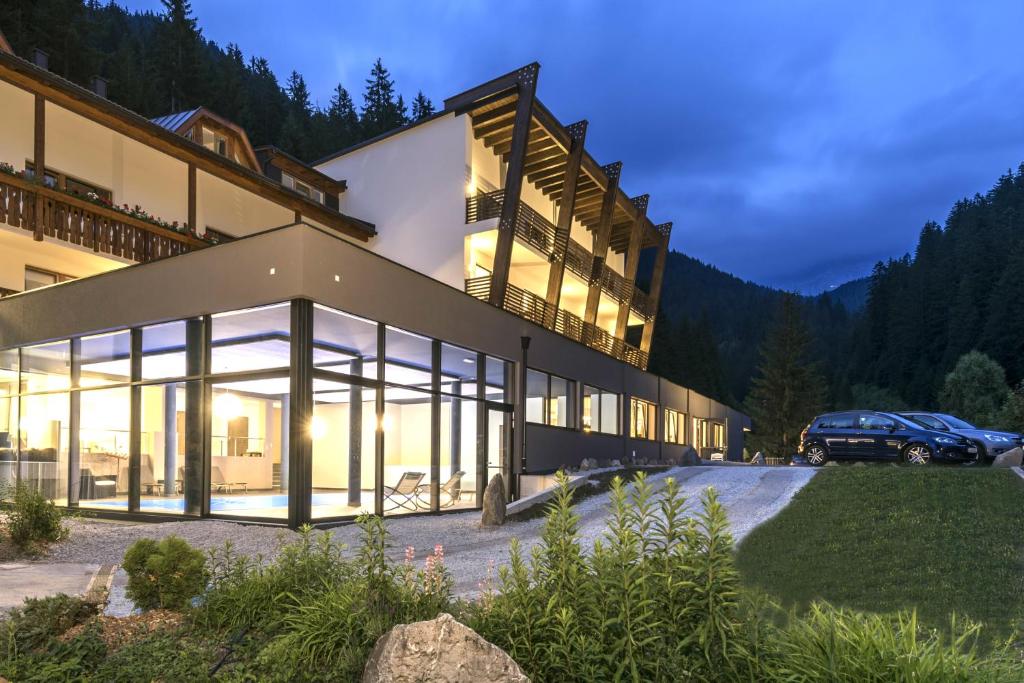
{"points": [[928, 422], [956, 422]]}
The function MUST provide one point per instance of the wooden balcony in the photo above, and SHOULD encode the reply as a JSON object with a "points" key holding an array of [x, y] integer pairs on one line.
{"points": [[538, 232], [534, 308], [47, 212]]}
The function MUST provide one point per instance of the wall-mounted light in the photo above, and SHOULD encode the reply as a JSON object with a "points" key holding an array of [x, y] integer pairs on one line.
{"points": [[317, 428], [273, 271], [386, 423]]}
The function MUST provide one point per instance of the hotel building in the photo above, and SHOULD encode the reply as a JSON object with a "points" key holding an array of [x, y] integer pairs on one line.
{"points": [[191, 327]]}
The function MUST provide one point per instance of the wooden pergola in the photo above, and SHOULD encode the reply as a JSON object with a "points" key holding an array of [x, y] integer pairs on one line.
{"points": [[509, 119]]}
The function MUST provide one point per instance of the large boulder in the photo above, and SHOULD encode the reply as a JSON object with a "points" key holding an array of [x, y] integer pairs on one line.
{"points": [[1011, 458], [440, 650], [494, 503], [689, 456]]}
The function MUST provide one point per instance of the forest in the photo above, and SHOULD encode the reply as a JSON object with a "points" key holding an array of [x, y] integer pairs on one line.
{"points": [[955, 305]]}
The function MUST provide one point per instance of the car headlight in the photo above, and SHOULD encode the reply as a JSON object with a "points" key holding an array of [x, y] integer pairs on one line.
{"points": [[946, 439], [997, 438]]}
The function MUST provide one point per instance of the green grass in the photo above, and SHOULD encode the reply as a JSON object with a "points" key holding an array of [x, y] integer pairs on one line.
{"points": [[941, 540]]}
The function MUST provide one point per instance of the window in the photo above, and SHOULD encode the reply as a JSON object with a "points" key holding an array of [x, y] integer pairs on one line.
{"points": [[215, 141], [62, 181], [218, 235], [600, 411], [37, 277], [675, 426], [876, 422], [701, 437], [302, 188], [252, 339], [642, 424], [717, 435], [550, 400]]}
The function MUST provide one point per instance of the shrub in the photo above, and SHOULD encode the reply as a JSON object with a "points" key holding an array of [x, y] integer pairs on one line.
{"points": [[33, 520], [39, 620], [165, 574]]}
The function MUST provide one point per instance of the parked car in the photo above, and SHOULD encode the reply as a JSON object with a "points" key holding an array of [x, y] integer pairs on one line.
{"points": [[990, 442], [870, 435]]}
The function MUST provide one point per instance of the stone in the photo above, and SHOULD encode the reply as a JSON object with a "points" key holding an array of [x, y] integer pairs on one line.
{"points": [[1011, 458], [616, 463], [831, 463], [758, 459], [440, 650], [494, 502]]}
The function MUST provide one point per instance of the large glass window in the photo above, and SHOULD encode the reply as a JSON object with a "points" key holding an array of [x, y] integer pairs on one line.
{"points": [[409, 358], [458, 476], [106, 359], [499, 380], [701, 434], [43, 444], [248, 466], [717, 435], [164, 448], [406, 424], [458, 370], [550, 399], [343, 428], [642, 423], [600, 411], [344, 343], [675, 426], [252, 339], [163, 350], [104, 437], [46, 367], [8, 439]]}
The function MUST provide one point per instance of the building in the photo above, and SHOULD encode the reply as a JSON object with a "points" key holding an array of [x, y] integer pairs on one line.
{"points": [[195, 327]]}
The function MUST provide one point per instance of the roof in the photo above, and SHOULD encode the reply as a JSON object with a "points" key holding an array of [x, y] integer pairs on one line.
{"points": [[291, 164], [4, 45], [172, 122], [22, 73]]}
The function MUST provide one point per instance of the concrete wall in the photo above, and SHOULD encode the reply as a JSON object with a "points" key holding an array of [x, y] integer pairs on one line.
{"points": [[230, 209], [17, 114], [18, 250], [412, 187]]}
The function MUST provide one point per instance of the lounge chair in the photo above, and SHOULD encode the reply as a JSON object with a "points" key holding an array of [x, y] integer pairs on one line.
{"points": [[404, 494], [218, 482], [451, 488]]}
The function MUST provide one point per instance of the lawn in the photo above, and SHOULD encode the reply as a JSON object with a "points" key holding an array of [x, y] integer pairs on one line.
{"points": [[941, 540]]}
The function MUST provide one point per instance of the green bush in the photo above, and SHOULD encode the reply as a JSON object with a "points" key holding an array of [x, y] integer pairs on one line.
{"points": [[165, 574], [29, 645], [39, 620], [33, 520]]}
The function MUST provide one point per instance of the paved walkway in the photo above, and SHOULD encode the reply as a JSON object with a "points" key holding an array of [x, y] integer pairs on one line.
{"points": [[750, 495], [36, 580]]}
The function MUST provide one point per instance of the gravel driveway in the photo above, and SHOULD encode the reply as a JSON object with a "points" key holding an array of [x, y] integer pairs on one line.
{"points": [[750, 495]]}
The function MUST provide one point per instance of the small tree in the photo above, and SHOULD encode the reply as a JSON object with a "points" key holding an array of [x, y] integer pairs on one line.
{"points": [[1011, 415], [788, 389], [975, 389]]}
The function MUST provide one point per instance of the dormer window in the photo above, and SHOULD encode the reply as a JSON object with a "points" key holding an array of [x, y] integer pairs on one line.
{"points": [[302, 188], [215, 141]]}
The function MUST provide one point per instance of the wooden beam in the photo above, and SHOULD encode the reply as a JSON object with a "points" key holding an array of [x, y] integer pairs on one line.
{"points": [[601, 238], [192, 199], [505, 111], [91, 106], [655, 292], [512, 80], [636, 235], [556, 273], [526, 86], [39, 163]]}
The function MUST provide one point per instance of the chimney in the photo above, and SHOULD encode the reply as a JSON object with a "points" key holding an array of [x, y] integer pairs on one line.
{"points": [[99, 86], [41, 59]]}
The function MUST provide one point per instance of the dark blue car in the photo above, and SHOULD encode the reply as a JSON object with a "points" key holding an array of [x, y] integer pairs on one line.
{"points": [[872, 435], [990, 442]]}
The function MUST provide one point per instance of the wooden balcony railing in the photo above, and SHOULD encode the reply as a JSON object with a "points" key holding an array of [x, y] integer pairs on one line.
{"points": [[540, 233], [534, 308], [77, 221]]}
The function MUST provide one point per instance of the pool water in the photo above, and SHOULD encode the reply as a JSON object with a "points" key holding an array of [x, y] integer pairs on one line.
{"points": [[221, 503]]}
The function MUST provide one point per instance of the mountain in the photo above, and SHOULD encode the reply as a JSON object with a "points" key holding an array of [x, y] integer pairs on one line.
{"points": [[853, 294]]}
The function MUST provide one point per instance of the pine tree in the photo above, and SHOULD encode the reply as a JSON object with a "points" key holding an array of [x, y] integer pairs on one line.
{"points": [[178, 44], [422, 107], [788, 389], [381, 110]]}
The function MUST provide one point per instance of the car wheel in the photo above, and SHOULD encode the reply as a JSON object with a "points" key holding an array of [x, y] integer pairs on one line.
{"points": [[917, 454], [816, 455]]}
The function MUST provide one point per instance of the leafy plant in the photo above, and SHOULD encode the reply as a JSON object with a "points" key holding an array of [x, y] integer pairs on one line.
{"points": [[33, 520], [165, 574]]}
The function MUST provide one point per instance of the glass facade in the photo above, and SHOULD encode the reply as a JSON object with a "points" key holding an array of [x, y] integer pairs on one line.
{"points": [[285, 412]]}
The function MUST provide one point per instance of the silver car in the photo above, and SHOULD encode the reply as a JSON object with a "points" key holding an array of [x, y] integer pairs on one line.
{"points": [[990, 442]]}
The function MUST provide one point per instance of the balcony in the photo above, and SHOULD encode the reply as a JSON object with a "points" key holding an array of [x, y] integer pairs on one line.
{"points": [[71, 219], [538, 232], [534, 308]]}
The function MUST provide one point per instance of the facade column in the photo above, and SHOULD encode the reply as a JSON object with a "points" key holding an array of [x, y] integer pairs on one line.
{"points": [[355, 437], [193, 485], [435, 426], [602, 237], [39, 163], [74, 425], [135, 430], [636, 238], [378, 443], [526, 87], [567, 207], [481, 428], [192, 199], [300, 455], [656, 277], [286, 412], [170, 439], [455, 429]]}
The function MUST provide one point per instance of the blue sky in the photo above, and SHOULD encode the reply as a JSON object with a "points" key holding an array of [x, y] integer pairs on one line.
{"points": [[793, 143]]}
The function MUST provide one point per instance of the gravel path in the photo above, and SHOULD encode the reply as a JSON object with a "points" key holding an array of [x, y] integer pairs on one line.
{"points": [[750, 495]]}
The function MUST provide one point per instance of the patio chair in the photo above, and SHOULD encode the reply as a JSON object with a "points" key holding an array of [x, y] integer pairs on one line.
{"points": [[404, 494], [218, 482], [451, 488]]}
